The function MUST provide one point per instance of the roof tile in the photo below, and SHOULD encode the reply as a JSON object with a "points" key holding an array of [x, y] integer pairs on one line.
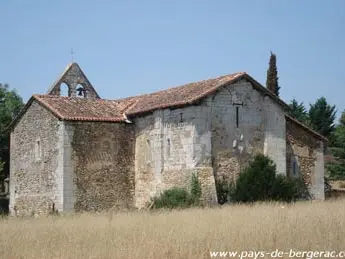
{"points": [[74, 108], [78, 109]]}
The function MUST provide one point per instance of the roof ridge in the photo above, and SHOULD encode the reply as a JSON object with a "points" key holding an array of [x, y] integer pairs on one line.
{"points": [[184, 85], [235, 76], [306, 127], [46, 96]]}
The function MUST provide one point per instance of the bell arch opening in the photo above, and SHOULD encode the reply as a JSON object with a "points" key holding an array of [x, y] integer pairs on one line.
{"points": [[65, 90]]}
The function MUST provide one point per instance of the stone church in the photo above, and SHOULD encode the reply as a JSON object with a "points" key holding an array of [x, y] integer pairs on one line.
{"points": [[84, 153]]}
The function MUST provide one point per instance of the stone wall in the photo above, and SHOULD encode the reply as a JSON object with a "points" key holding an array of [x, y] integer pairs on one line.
{"points": [[275, 134], [69, 166], [171, 146], [211, 138], [34, 174], [304, 154], [94, 166], [98, 166], [245, 122]]}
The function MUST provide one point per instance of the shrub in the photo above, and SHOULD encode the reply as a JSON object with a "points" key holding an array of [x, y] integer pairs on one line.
{"points": [[255, 182], [259, 182], [328, 186], [284, 189], [173, 198], [4, 202], [302, 190], [179, 197], [195, 191], [223, 191]]}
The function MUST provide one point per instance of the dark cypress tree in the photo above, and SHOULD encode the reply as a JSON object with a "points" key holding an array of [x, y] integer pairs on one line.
{"points": [[272, 75], [322, 117]]}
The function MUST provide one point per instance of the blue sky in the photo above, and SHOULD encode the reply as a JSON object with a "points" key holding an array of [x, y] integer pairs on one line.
{"points": [[133, 47]]}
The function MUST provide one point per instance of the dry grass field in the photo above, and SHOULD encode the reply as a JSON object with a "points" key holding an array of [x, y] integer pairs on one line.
{"points": [[191, 233]]}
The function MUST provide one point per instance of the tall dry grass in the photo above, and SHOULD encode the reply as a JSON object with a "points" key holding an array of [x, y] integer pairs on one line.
{"points": [[188, 233]]}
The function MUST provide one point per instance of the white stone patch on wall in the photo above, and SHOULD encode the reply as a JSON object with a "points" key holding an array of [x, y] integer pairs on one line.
{"points": [[317, 179], [59, 192], [69, 187], [275, 134], [13, 180]]}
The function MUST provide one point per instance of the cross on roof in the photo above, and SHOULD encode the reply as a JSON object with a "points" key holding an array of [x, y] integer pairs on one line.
{"points": [[72, 55]]}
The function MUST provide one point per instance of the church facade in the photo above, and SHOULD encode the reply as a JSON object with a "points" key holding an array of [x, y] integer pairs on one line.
{"points": [[84, 153]]}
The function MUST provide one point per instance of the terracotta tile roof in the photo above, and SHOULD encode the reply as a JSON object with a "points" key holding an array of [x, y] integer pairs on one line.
{"points": [[78, 109], [178, 96]]}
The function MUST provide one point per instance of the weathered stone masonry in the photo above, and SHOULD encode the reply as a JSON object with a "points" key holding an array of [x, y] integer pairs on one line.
{"points": [[102, 157], [304, 157], [171, 146], [90, 154], [75, 80], [79, 166], [234, 143], [34, 176]]}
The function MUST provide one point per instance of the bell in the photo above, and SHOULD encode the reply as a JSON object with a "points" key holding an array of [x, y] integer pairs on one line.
{"points": [[80, 91]]}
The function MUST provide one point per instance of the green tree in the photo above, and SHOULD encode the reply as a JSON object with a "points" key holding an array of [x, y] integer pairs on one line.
{"points": [[337, 169], [255, 182], [260, 182], [10, 105], [272, 75], [322, 117], [298, 111]]}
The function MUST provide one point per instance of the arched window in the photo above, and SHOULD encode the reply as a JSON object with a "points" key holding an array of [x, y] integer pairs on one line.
{"points": [[81, 92], [64, 90]]}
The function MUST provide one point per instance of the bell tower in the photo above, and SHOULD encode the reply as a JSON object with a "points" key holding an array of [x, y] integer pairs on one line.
{"points": [[77, 83]]}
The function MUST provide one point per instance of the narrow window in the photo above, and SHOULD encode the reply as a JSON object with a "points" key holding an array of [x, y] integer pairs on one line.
{"points": [[147, 152], [295, 168], [38, 150], [181, 119], [237, 110], [168, 148]]}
